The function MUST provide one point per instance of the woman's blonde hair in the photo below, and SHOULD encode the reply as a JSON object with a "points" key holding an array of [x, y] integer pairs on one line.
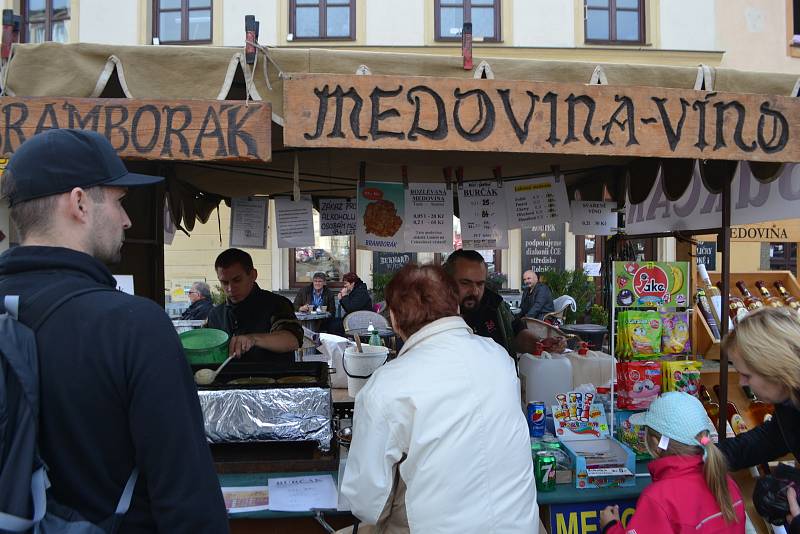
{"points": [[715, 468], [768, 341]]}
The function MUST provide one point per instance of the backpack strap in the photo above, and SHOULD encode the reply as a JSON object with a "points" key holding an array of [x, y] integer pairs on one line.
{"points": [[127, 494], [14, 523], [38, 311]]}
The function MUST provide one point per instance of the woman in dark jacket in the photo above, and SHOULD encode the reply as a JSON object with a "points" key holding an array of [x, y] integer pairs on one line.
{"points": [[765, 349], [354, 296]]}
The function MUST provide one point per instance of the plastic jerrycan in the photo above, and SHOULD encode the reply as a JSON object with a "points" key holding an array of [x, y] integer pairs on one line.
{"points": [[590, 367], [543, 376]]}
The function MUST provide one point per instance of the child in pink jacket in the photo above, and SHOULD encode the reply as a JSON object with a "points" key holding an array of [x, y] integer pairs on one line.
{"points": [[691, 489]]}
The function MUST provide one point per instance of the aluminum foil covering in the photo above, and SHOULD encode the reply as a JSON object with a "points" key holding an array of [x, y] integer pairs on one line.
{"points": [[281, 414]]}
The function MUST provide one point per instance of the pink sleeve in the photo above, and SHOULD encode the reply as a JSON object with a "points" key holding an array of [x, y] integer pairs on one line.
{"points": [[649, 518]]}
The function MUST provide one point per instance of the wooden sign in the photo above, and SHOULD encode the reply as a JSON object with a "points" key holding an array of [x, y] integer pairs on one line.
{"points": [[550, 118], [198, 130], [786, 231]]}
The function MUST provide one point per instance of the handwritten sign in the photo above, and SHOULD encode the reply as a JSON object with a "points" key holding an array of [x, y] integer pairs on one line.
{"points": [[300, 494], [593, 218], [429, 214], [537, 201], [199, 130], [249, 222], [294, 222], [482, 210], [337, 216], [422, 113], [389, 262]]}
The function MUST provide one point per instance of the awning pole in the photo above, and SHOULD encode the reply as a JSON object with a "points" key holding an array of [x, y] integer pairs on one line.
{"points": [[724, 242]]}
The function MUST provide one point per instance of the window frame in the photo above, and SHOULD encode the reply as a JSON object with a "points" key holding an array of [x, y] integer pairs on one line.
{"points": [[48, 31], [467, 17], [184, 10], [294, 284], [323, 26], [612, 24]]}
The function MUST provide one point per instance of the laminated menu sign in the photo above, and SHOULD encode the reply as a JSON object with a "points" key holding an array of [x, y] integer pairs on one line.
{"points": [[482, 210], [381, 215], [295, 222], [537, 201], [593, 218], [337, 216], [429, 215], [249, 222]]}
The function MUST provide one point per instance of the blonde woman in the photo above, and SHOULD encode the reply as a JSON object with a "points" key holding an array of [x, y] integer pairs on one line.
{"points": [[765, 349], [691, 489]]}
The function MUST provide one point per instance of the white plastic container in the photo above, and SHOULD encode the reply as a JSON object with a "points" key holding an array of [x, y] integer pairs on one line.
{"points": [[591, 367], [359, 366], [542, 376]]}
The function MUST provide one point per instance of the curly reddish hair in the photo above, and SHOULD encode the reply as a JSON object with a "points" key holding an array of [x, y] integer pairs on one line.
{"points": [[418, 295], [351, 278]]}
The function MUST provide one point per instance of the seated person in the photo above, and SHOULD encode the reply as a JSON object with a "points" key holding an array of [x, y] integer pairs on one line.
{"points": [[262, 324], [537, 299], [200, 298], [427, 454], [314, 295], [354, 296]]}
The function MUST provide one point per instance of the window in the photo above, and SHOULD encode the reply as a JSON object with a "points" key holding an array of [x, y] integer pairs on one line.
{"points": [[322, 19], [590, 249], [45, 20], [333, 255], [484, 15], [182, 21], [614, 21], [783, 257]]}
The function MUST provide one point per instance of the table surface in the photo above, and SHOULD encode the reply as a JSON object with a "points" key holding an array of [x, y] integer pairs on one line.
{"points": [[568, 493], [311, 316], [383, 332]]}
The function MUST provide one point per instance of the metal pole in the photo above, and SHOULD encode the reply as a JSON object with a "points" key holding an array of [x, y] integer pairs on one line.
{"points": [[724, 242]]}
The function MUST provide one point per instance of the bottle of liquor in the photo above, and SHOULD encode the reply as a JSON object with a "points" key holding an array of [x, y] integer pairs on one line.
{"points": [[712, 294], [736, 307], [759, 411], [712, 408], [769, 300], [787, 298], [734, 417], [703, 304], [752, 302]]}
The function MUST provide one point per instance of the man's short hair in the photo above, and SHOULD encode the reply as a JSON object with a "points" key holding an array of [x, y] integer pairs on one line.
{"points": [[461, 254], [233, 256], [319, 276], [204, 289]]}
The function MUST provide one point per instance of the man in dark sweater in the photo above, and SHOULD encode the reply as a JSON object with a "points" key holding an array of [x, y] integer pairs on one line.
{"points": [[200, 298], [537, 299], [116, 391], [262, 324]]}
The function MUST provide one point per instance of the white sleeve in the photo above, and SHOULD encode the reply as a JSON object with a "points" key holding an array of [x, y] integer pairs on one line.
{"points": [[374, 452]]}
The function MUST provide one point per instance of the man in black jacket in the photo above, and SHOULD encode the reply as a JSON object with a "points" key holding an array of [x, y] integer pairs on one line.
{"points": [[262, 324], [200, 298], [537, 299], [116, 391]]}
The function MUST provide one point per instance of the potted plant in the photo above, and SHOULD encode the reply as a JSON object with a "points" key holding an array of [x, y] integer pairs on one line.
{"points": [[575, 284]]}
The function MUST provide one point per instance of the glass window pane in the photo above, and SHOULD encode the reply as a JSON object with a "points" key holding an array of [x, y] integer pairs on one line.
{"points": [[307, 22], [424, 258], [597, 3], [627, 25], [307, 2], [483, 22], [338, 22], [36, 11], [36, 33], [450, 22], [597, 24], [170, 4], [634, 4], [485, 3], [452, 3], [338, 3], [199, 3], [61, 31], [200, 25], [331, 255], [169, 26], [61, 9]]}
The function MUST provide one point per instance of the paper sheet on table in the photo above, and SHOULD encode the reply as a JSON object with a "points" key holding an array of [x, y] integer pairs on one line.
{"points": [[300, 494], [245, 499]]}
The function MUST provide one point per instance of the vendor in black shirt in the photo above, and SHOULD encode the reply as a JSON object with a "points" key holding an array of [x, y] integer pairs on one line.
{"points": [[262, 324]]}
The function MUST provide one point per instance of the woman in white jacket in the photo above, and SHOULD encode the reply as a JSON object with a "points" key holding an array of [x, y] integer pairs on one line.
{"points": [[440, 443]]}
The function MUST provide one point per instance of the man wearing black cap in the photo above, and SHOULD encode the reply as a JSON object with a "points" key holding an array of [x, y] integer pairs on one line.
{"points": [[116, 392]]}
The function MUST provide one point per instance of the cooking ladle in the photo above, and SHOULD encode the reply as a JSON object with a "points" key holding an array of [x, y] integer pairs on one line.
{"points": [[204, 377]]}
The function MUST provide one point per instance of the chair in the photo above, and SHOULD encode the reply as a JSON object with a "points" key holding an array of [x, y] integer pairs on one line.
{"points": [[560, 304], [362, 318], [310, 341]]}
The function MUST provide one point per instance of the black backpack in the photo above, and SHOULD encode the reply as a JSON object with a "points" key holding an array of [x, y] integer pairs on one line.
{"points": [[24, 503]]}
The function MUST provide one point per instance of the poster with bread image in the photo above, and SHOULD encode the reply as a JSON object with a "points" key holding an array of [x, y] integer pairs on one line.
{"points": [[381, 215]]}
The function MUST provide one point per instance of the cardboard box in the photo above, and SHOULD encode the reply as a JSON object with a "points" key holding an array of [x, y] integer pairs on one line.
{"points": [[600, 461]]}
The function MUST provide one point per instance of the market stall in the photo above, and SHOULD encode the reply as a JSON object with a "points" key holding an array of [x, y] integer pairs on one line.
{"points": [[343, 122]]}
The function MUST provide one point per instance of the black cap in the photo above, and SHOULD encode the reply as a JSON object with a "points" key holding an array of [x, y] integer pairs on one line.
{"points": [[57, 161]]}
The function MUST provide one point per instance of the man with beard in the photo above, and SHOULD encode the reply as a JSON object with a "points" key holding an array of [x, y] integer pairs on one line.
{"points": [[486, 312], [117, 404]]}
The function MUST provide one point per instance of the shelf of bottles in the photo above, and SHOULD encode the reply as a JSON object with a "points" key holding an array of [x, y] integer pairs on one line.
{"points": [[748, 292]]}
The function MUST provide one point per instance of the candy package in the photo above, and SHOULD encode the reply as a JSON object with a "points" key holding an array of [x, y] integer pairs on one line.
{"points": [[675, 333], [681, 376], [638, 384], [630, 430], [643, 329]]}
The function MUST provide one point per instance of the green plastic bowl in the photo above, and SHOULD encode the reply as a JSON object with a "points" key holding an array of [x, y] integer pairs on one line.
{"points": [[205, 345]]}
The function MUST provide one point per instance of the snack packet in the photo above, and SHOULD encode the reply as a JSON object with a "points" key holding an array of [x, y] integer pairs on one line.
{"points": [[675, 333], [681, 376], [638, 384], [644, 333]]}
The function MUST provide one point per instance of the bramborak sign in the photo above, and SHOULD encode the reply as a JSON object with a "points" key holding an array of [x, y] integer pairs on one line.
{"points": [[423, 113], [752, 202]]}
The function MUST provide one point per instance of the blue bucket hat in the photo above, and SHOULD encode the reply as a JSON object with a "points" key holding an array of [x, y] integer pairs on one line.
{"points": [[678, 416]]}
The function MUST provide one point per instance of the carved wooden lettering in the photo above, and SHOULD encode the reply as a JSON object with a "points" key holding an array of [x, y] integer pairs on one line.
{"points": [[534, 117], [200, 130]]}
